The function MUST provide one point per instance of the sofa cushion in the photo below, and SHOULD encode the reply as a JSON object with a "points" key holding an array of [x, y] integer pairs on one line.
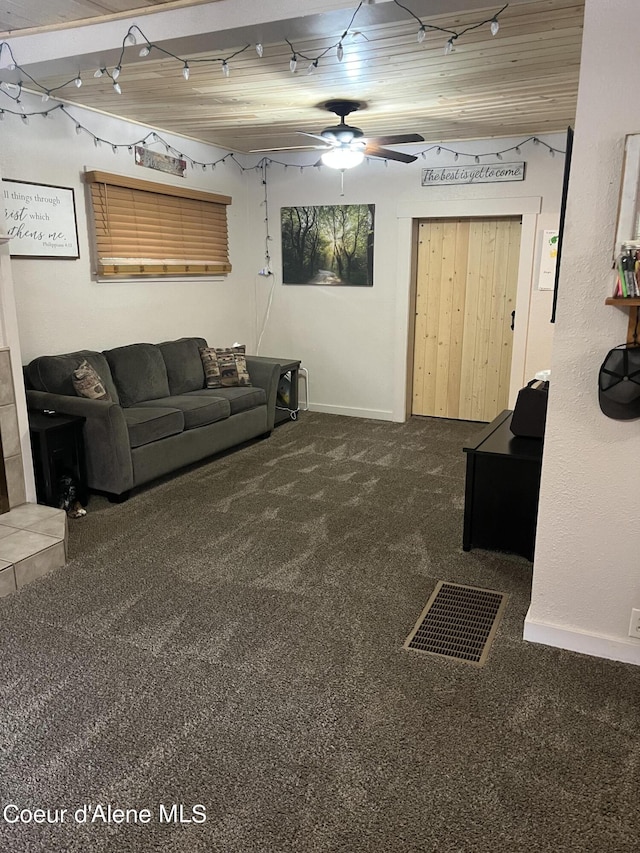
{"points": [[151, 424], [197, 411], [54, 373], [183, 363], [233, 366], [87, 383], [139, 373], [239, 399]]}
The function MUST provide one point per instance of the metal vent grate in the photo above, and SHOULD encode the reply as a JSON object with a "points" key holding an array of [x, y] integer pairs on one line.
{"points": [[458, 622]]}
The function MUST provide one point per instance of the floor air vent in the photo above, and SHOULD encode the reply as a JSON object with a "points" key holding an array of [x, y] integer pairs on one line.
{"points": [[458, 622]]}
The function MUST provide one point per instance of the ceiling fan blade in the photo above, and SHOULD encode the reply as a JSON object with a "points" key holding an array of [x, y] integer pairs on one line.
{"points": [[291, 148], [388, 154], [314, 136], [398, 139]]}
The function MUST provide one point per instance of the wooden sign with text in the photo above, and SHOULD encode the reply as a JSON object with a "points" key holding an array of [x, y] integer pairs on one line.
{"points": [[40, 220], [478, 173]]}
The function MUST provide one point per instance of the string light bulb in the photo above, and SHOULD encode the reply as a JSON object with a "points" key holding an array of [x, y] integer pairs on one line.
{"points": [[129, 38], [114, 148], [116, 72], [259, 50], [293, 63], [477, 159], [145, 51], [498, 155], [78, 129], [185, 71], [45, 97], [99, 72], [422, 34], [495, 26], [340, 51], [1, 115], [225, 68], [448, 48], [25, 119], [78, 81], [312, 66], [117, 88]]}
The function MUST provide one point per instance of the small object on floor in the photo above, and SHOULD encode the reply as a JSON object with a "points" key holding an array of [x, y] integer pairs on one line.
{"points": [[70, 496]]}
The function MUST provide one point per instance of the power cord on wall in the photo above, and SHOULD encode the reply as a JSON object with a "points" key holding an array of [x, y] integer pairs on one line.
{"points": [[266, 271]]}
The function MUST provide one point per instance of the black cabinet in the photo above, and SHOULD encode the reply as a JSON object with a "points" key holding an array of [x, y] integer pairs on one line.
{"points": [[57, 448], [502, 489]]}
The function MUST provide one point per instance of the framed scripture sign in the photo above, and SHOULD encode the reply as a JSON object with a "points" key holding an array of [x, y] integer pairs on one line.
{"points": [[40, 220]]}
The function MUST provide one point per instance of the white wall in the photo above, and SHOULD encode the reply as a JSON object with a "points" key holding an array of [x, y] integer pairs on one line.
{"points": [[586, 577], [60, 306], [354, 341]]}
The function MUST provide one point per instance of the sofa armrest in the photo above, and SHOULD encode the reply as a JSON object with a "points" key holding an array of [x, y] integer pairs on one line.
{"points": [[106, 438], [266, 375]]}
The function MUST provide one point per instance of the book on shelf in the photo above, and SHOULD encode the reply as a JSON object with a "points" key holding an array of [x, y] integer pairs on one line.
{"points": [[628, 269]]}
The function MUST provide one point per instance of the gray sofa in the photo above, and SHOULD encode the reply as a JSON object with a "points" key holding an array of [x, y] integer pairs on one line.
{"points": [[160, 416]]}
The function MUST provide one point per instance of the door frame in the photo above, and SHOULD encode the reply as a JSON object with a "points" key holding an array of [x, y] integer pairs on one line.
{"points": [[408, 214]]}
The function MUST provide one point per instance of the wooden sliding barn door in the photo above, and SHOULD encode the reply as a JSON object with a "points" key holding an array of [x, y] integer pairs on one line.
{"points": [[466, 291]]}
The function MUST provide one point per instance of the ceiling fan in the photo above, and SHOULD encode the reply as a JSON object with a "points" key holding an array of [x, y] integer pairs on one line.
{"points": [[346, 146]]}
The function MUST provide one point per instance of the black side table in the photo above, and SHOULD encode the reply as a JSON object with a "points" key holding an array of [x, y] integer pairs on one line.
{"points": [[286, 409], [57, 448], [502, 490]]}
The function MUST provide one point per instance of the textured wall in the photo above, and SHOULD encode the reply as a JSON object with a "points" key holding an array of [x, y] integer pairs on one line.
{"points": [[60, 306], [586, 577], [352, 339]]}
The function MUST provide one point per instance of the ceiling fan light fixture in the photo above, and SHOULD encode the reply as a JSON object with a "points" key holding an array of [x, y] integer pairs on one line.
{"points": [[343, 158]]}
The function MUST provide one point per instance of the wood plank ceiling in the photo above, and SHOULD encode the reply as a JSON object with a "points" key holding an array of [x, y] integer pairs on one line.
{"points": [[522, 81], [38, 14]]}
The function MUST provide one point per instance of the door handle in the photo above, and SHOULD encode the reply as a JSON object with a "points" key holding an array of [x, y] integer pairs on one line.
{"points": [[513, 320]]}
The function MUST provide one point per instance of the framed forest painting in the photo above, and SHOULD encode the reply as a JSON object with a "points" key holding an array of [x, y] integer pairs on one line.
{"points": [[328, 245]]}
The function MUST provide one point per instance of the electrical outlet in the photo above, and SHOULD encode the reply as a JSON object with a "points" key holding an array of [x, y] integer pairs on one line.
{"points": [[634, 625]]}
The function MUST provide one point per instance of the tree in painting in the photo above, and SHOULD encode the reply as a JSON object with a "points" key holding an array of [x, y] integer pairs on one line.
{"points": [[330, 245]]}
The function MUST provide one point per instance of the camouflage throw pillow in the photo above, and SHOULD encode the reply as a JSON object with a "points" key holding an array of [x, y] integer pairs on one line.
{"points": [[211, 367], [87, 383], [233, 366]]}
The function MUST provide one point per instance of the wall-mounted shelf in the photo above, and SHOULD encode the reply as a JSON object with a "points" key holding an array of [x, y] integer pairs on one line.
{"points": [[632, 303]]}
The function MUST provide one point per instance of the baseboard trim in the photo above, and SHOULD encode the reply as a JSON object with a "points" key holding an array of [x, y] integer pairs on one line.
{"points": [[375, 414], [595, 645]]}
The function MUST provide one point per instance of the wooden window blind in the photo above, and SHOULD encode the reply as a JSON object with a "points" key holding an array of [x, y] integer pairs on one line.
{"points": [[148, 229]]}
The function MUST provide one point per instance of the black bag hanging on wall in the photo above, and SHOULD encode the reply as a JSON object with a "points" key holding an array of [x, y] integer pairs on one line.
{"points": [[530, 412]]}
